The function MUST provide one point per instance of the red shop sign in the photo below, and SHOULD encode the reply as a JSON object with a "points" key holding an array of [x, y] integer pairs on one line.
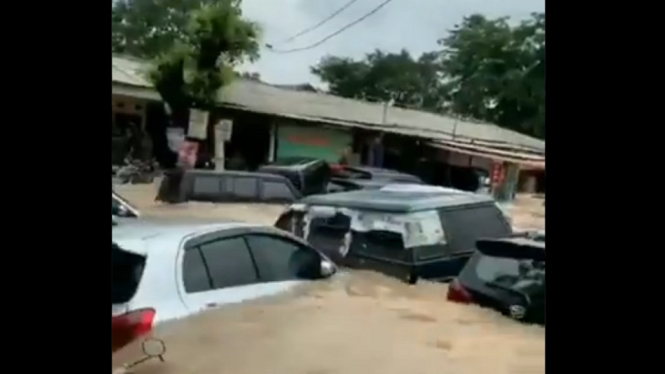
{"points": [[498, 173]]}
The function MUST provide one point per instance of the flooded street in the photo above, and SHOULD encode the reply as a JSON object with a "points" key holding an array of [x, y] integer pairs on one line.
{"points": [[357, 322]]}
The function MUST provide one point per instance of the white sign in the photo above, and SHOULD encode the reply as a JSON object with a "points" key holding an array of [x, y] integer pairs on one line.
{"points": [[198, 124], [417, 228], [174, 137], [225, 127]]}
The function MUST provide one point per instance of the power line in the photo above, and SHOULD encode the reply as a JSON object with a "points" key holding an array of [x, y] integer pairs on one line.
{"points": [[312, 28], [348, 26]]}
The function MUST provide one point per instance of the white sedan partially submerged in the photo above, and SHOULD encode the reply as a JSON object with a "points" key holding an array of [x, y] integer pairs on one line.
{"points": [[165, 270]]}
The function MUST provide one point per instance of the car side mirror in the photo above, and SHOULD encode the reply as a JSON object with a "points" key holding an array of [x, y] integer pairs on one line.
{"points": [[327, 268], [123, 211]]}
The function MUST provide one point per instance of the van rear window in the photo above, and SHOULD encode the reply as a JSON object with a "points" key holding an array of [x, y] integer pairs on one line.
{"points": [[327, 233], [381, 244], [126, 273]]}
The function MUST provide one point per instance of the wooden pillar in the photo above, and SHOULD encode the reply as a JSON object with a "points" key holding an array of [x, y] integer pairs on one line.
{"points": [[272, 146], [508, 176], [220, 145]]}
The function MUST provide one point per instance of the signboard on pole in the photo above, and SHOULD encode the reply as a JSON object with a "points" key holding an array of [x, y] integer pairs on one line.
{"points": [[187, 154], [225, 128], [198, 124], [174, 137], [498, 173]]}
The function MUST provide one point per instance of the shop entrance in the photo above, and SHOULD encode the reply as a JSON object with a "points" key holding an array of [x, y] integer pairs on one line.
{"points": [[250, 142]]}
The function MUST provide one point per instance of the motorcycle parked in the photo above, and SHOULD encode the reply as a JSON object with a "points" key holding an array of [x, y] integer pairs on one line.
{"points": [[136, 172]]}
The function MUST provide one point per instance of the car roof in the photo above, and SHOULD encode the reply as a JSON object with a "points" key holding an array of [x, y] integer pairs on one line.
{"points": [[298, 163], [234, 173], [396, 201], [406, 187], [517, 248], [380, 172], [374, 170], [133, 235], [519, 241], [364, 182]]}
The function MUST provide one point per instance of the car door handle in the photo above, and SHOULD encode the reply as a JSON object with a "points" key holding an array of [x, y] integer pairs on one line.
{"points": [[212, 305]]}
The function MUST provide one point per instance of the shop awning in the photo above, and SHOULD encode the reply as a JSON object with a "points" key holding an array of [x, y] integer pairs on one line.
{"points": [[525, 160], [134, 91]]}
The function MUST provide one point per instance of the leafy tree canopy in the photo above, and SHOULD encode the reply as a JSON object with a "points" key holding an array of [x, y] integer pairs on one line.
{"points": [[496, 71], [380, 76], [191, 72], [487, 69], [148, 28]]}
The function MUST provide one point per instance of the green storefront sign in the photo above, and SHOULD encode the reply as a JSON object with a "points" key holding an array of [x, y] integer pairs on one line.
{"points": [[311, 141]]}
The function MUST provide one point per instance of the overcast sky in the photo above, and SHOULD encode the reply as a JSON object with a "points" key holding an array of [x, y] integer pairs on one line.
{"points": [[412, 24]]}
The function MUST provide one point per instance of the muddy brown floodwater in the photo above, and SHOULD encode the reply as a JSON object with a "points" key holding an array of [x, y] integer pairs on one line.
{"points": [[357, 322]]}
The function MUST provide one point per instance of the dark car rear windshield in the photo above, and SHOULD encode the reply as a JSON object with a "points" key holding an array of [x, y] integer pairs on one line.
{"points": [[523, 275], [126, 272]]}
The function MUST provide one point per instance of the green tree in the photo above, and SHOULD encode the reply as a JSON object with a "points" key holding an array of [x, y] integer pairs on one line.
{"points": [[496, 71], [191, 73], [381, 76], [147, 28], [488, 70]]}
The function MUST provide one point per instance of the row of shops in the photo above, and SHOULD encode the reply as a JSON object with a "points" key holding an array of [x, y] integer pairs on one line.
{"points": [[259, 137]]}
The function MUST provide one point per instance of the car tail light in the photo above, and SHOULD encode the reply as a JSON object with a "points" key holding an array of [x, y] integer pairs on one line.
{"points": [[130, 326], [457, 293]]}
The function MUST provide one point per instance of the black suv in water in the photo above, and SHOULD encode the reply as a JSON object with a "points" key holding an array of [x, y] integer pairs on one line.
{"points": [[406, 234], [308, 176], [366, 172], [507, 275]]}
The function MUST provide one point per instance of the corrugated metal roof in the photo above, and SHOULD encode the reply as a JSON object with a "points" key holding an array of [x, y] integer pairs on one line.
{"points": [[128, 71], [313, 106], [528, 161], [480, 148]]}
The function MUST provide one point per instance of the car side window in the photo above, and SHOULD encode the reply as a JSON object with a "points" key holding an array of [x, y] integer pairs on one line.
{"points": [[277, 191], [229, 262], [280, 259], [245, 187], [194, 272], [206, 185]]}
